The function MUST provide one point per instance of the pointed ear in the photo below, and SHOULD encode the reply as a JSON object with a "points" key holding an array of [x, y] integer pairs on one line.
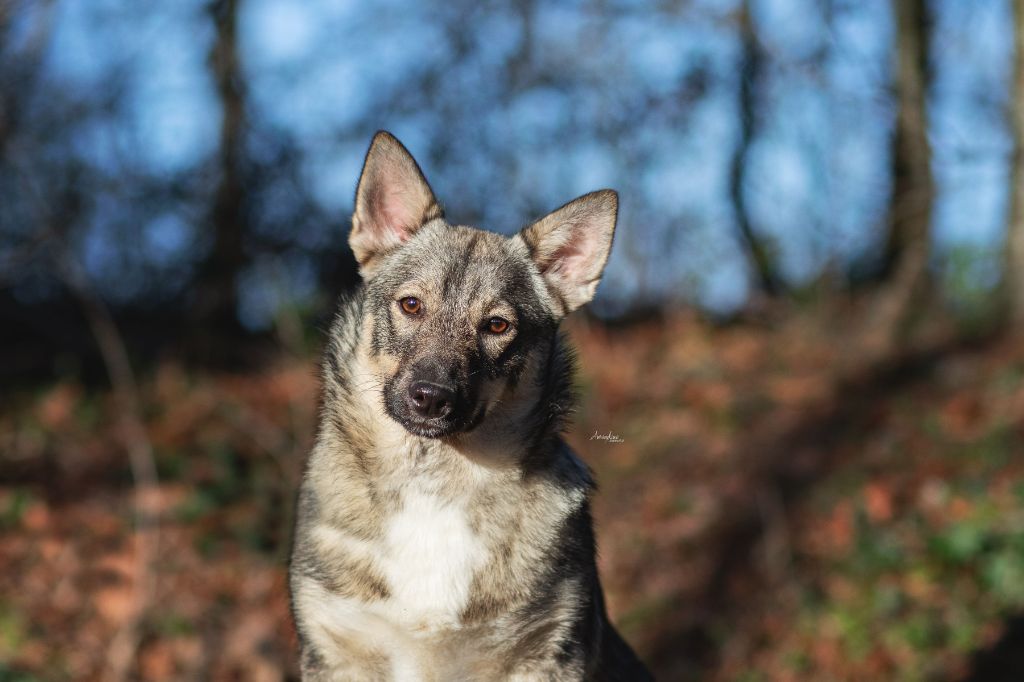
{"points": [[570, 246], [393, 200]]}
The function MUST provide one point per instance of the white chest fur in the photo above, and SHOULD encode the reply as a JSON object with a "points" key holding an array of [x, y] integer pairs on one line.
{"points": [[430, 555]]}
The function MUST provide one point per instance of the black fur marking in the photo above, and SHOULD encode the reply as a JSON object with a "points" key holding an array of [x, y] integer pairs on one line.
{"points": [[555, 404], [455, 276], [477, 419]]}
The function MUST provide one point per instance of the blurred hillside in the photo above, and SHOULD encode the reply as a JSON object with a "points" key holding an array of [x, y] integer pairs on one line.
{"points": [[756, 520]]}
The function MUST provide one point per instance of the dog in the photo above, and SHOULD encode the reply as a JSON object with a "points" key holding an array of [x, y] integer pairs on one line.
{"points": [[443, 526]]}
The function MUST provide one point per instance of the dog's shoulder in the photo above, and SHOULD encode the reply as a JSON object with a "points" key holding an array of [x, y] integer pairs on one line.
{"points": [[562, 468]]}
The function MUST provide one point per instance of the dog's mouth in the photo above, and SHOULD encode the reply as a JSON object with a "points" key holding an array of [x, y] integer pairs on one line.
{"points": [[427, 428], [451, 425], [440, 428]]}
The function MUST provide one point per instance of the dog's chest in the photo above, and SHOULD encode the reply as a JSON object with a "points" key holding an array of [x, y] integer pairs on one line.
{"points": [[429, 555], [436, 553]]}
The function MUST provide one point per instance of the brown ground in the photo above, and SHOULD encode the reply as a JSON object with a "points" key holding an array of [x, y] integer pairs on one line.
{"points": [[761, 519]]}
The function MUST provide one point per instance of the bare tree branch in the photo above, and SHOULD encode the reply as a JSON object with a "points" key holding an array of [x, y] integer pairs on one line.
{"points": [[750, 73], [123, 647], [908, 247], [216, 299], [1014, 262]]}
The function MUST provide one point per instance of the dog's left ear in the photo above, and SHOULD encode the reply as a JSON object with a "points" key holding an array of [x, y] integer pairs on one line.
{"points": [[570, 246], [393, 200]]}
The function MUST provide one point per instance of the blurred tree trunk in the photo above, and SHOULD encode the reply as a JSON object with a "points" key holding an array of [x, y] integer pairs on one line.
{"points": [[904, 269], [214, 312], [751, 68], [1014, 265], [913, 188]]}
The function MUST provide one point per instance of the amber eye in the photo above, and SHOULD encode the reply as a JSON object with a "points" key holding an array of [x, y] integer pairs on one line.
{"points": [[411, 305], [496, 325]]}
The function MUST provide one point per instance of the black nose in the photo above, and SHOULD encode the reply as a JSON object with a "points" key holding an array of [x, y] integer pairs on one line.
{"points": [[431, 400]]}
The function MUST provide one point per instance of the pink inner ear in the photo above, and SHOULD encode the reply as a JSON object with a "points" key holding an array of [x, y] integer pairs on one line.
{"points": [[574, 258], [391, 215], [563, 261]]}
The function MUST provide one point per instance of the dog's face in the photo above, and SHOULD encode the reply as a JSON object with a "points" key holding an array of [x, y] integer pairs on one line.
{"points": [[456, 313]]}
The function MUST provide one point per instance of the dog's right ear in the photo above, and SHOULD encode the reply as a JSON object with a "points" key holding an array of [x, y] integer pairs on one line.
{"points": [[393, 200]]}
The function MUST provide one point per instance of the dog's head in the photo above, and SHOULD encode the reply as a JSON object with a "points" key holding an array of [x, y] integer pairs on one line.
{"points": [[456, 313]]}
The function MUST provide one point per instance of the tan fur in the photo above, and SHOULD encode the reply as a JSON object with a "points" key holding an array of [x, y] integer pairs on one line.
{"points": [[457, 545]]}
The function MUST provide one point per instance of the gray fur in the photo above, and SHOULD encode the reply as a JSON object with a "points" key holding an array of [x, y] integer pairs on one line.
{"points": [[459, 546]]}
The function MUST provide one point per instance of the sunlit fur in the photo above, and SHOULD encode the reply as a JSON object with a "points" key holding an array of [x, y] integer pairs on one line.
{"points": [[458, 548]]}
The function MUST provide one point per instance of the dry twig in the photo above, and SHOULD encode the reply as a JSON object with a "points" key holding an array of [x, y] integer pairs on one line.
{"points": [[123, 646]]}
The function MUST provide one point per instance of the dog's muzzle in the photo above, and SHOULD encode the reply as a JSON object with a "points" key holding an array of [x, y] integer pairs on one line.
{"points": [[428, 400]]}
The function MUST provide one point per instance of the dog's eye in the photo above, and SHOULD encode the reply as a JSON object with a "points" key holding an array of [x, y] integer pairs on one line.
{"points": [[411, 305], [496, 325]]}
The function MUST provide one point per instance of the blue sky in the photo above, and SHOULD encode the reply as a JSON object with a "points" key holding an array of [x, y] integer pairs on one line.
{"points": [[609, 98]]}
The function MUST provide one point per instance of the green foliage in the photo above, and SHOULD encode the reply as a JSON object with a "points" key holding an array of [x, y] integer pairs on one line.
{"points": [[13, 505], [12, 632], [917, 602], [8, 674], [171, 624], [970, 279], [960, 544]]}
